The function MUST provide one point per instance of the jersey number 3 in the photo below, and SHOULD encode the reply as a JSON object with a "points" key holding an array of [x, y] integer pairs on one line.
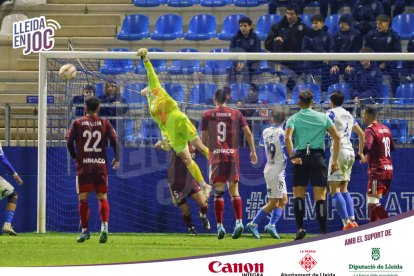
{"points": [[89, 135]]}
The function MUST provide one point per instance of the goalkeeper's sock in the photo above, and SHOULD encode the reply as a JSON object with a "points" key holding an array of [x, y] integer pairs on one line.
{"points": [[84, 213], [219, 209], [188, 221], [276, 215], [196, 173], [9, 216], [205, 153], [104, 210], [261, 215], [236, 203]]}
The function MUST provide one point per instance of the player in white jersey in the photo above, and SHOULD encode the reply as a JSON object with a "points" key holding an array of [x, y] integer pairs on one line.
{"points": [[274, 174], [7, 190], [345, 123]]}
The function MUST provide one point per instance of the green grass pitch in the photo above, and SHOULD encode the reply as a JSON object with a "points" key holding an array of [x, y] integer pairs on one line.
{"points": [[54, 249]]}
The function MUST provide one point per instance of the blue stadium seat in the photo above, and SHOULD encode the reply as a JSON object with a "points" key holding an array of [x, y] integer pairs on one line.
{"points": [[239, 91], [314, 88], [176, 91], [403, 24], [132, 93], [306, 19], [264, 23], [160, 65], [385, 94], [261, 66], [273, 93], [147, 3], [202, 93], [213, 3], [168, 27], [148, 132], [246, 3], [344, 87], [201, 27], [117, 66], [99, 89], [398, 129], [185, 67], [129, 130], [405, 94], [217, 67], [134, 27], [180, 3], [230, 26], [332, 22]]}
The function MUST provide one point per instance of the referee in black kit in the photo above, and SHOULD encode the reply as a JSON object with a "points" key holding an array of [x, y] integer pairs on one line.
{"points": [[309, 128]]}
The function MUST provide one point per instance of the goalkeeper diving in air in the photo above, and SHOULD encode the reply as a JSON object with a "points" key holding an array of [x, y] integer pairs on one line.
{"points": [[176, 128]]}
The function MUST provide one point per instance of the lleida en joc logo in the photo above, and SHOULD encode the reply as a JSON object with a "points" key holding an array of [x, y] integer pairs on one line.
{"points": [[34, 34], [246, 269]]}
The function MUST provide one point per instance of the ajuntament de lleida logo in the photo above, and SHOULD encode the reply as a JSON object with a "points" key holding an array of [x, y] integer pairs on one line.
{"points": [[375, 254]]}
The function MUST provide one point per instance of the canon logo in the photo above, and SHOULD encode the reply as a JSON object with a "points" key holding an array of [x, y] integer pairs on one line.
{"points": [[249, 268]]}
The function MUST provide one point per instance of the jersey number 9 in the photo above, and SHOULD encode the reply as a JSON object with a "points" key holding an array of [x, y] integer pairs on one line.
{"points": [[221, 132]]}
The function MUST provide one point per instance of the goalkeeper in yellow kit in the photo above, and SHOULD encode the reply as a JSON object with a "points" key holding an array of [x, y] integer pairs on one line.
{"points": [[176, 128]]}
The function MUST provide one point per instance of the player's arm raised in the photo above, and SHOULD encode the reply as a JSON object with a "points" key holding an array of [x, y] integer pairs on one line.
{"points": [[250, 140], [153, 81], [361, 141]]}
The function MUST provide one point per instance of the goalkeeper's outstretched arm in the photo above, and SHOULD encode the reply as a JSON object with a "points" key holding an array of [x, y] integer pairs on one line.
{"points": [[153, 81]]}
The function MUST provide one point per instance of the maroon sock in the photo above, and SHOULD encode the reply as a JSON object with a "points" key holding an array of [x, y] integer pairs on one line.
{"points": [[204, 209], [104, 209], [84, 213], [188, 221], [380, 212], [236, 203], [219, 209]]}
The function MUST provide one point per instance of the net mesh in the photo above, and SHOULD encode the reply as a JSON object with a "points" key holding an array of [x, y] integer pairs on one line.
{"points": [[138, 192]]}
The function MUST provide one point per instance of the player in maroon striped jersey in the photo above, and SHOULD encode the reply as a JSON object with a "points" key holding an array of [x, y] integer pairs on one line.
{"points": [[377, 148], [87, 139], [182, 186], [220, 132]]}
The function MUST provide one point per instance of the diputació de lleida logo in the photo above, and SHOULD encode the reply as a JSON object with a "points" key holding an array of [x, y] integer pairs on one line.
{"points": [[375, 254]]}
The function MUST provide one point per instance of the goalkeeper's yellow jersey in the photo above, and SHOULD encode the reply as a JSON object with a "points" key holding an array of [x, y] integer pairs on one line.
{"points": [[161, 104]]}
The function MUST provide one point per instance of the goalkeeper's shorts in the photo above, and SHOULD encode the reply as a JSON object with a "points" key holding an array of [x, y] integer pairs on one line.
{"points": [[180, 131]]}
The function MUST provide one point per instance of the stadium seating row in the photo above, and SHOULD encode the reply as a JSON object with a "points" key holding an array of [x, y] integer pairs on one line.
{"points": [[203, 26], [272, 93], [204, 3]]}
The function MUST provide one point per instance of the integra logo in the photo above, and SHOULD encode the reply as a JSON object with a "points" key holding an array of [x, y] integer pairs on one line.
{"points": [[246, 269]]}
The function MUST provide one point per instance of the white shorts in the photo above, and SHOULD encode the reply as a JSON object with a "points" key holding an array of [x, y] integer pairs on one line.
{"points": [[6, 188], [274, 176], [346, 159]]}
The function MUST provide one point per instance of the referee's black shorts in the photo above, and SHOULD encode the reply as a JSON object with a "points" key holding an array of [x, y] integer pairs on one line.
{"points": [[313, 169]]}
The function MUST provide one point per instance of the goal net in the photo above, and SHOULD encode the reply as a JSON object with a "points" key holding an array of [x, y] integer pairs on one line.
{"points": [[139, 197]]}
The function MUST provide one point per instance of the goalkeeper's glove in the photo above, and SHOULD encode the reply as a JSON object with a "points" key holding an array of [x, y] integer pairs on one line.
{"points": [[142, 52]]}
